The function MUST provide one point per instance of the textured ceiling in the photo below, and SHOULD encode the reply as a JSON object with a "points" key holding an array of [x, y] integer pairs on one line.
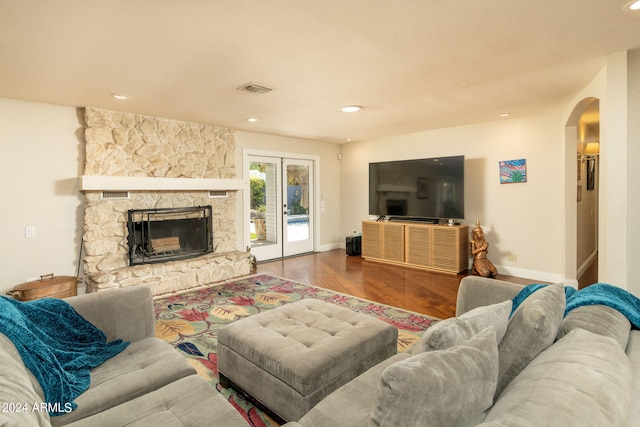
{"points": [[412, 64]]}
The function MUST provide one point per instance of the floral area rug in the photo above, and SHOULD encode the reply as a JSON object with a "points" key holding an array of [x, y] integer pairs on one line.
{"points": [[191, 321]]}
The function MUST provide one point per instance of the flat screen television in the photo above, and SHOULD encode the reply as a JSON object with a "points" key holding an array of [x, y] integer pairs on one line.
{"points": [[420, 189]]}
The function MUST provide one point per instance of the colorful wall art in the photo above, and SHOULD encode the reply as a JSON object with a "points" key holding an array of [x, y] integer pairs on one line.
{"points": [[513, 171]]}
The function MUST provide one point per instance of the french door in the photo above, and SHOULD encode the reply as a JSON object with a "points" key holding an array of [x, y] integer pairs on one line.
{"points": [[280, 207]]}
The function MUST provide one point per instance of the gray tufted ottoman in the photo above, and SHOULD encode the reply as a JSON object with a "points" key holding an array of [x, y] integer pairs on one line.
{"points": [[291, 357]]}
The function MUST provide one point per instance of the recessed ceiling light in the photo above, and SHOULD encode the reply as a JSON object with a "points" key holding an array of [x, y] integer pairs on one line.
{"points": [[505, 115], [252, 119], [634, 5], [351, 108], [119, 96]]}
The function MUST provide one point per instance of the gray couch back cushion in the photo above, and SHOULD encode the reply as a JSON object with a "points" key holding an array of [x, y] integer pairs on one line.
{"points": [[21, 395], [598, 319], [129, 317], [456, 330], [532, 328], [584, 379], [452, 387]]}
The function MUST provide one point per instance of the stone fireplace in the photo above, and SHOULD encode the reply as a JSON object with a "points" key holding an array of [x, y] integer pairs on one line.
{"points": [[137, 163]]}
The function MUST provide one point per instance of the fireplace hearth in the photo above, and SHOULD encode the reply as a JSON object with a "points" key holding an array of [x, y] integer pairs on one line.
{"points": [[169, 234]]}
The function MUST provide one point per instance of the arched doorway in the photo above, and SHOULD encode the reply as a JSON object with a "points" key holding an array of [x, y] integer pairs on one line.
{"points": [[583, 145]]}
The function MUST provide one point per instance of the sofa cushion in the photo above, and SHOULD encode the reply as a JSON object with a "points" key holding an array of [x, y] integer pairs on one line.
{"points": [[350, 405], [583, 379], [532, 328], [189, 401], [633, 352], [456, 330], [444, 387], [18, 395], [598, 319], [144, 366], [476, 291], [121, 313]]}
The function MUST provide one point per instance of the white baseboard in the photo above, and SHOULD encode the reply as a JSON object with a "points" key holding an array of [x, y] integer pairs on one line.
{"points": [[331, 246], [542, 276]]}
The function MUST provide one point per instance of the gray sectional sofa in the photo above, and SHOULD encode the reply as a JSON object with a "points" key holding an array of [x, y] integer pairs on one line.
{"points": [[147, 384], [487, 367]]}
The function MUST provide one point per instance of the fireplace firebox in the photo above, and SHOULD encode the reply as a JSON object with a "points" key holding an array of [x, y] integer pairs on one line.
{"points": [[168, 234]]}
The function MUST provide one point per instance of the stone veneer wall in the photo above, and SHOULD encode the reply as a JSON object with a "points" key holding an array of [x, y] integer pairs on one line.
{"points": [[123, 144]]}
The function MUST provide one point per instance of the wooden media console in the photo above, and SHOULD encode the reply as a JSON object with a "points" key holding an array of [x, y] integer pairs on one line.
{"points": [[413, 244]]}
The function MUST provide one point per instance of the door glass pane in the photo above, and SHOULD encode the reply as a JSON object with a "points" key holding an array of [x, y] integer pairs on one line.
{"points": [[297, 203], [263, 186]]}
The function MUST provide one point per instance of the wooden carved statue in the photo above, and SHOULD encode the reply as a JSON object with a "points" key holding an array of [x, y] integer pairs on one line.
{"points": [[479, 248]]}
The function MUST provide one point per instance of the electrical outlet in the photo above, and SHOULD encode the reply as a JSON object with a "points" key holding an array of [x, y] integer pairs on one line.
{"points": [[29, 232], [513, 257]]}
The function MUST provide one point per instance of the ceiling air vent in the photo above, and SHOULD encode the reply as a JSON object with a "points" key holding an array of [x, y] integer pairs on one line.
{"points": [[255, 88]]}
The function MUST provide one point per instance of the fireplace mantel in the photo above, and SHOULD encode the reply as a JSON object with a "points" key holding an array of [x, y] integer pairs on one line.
{"points": [[141, 183]]}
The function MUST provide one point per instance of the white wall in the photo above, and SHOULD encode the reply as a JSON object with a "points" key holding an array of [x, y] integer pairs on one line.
{"points": [[537, 220], [614, 213], [522, 219], [633, 162], [615, 182], [41, 155], [330, 235]]}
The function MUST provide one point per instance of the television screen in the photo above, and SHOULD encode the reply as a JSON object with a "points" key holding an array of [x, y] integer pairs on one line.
{"points": [[421, 188]]}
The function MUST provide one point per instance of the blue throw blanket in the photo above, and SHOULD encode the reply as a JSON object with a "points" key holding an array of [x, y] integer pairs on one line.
{"points": [[57, 345], [597, 294]]}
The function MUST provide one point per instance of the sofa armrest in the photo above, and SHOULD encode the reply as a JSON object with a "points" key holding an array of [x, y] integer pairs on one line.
{"points": [[476, 291], [125, 313]]}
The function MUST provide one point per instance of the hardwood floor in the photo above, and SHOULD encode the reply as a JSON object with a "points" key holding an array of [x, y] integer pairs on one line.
{"points": [[433, 294]]}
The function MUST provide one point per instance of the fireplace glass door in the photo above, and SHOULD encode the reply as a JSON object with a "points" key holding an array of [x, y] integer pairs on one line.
{"points": [[168, 234]]}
